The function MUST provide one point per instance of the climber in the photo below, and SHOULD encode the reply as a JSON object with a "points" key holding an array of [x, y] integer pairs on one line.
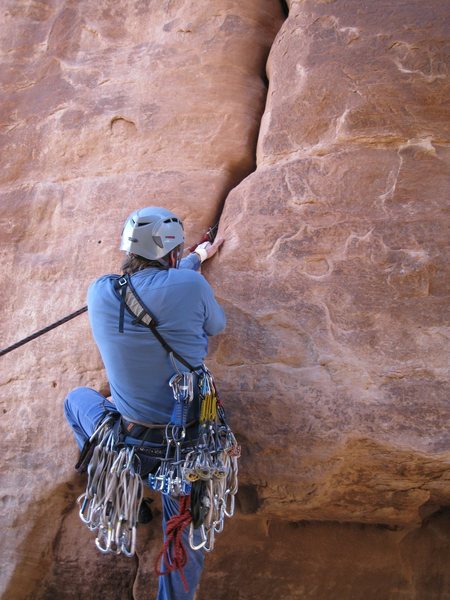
{"points": [[138, 367]]}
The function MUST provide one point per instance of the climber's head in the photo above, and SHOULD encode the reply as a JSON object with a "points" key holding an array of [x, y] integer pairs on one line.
{"points": [[155, 234]]}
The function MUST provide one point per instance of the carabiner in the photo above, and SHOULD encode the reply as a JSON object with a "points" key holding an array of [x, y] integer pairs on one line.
{"points": [[229, 512], [83, 503], [101, 535], [191, 537], [132, 539], [210, 546]]}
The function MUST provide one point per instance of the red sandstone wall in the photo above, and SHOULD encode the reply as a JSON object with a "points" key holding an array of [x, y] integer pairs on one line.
{"points": [[334, 274], [336, 355], [105, 107]]}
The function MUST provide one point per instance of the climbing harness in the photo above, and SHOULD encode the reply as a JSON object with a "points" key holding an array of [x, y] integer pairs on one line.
{"points": [[213, 459], [201, 470], [202, 474]]}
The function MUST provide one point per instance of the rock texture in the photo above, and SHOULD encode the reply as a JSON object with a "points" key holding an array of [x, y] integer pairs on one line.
{"points": [[336, 355], [275, 559], [105, 107], [334, 275]]}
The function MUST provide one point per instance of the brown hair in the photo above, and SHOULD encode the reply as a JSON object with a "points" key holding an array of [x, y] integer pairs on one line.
{"points": [[133, 263]]}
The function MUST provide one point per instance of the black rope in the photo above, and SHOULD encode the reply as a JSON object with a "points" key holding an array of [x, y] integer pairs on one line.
{"points": [[42, 331]]}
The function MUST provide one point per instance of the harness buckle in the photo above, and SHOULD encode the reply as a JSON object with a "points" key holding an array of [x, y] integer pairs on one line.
{"points": [[122, 281]]}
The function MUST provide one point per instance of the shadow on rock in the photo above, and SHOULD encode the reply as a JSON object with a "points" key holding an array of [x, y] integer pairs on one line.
{"points": [[58, 558]]}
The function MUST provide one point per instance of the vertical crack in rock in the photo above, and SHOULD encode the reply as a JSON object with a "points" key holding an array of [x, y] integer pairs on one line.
{"points": [[104, 109], [339, 241], [264, 77], [285, 8], [248, 500]]}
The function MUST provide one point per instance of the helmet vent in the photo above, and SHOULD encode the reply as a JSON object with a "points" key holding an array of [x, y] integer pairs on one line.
{"points": [[158, 241]]}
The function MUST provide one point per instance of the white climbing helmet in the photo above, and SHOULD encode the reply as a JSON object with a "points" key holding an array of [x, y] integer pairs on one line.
{"points": [[152, 232]]}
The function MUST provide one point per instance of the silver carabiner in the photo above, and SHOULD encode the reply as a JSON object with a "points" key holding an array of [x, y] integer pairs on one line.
{"points": [[83, 500], [132, 542], [229, 512], [102, 535], [191, 537], [209, 547]]}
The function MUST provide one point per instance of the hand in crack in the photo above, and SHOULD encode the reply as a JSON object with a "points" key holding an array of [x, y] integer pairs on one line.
{"points": [[207, 250]]}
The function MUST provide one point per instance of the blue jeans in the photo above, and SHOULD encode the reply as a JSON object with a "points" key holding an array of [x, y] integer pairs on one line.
{"points": [[84, 408]]}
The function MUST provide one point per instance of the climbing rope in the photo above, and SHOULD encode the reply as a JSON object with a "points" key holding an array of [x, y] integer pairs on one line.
{"points": [[208, 237], [173, 555], [33, 336]]}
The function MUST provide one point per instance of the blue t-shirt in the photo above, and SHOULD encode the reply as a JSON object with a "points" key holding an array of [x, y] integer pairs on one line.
{"points": [[137, 366]]}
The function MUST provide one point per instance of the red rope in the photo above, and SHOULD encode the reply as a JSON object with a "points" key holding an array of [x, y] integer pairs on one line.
{"points": [[173, 554]]}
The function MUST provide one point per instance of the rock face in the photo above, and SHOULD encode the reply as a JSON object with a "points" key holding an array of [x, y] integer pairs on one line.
{"points": [[334, 274], [276, 559], [336, 353], [106, 107]]}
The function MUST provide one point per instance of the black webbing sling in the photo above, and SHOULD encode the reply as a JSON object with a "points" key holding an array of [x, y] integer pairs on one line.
{"points": [[131, 300]]}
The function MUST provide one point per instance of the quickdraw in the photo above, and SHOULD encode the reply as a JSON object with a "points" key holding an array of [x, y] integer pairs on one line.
{"points": [[114, 492], [207, 472], [213, 461]]}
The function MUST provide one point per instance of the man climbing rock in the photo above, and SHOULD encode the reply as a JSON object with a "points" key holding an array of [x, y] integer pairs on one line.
{"points": [[138, 364]]}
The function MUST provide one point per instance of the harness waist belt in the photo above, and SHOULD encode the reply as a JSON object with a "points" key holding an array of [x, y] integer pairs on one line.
{"points": [[154, 433]]}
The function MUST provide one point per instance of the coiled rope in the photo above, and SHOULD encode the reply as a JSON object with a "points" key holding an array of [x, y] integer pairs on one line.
{"points": [[173, 556]]}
